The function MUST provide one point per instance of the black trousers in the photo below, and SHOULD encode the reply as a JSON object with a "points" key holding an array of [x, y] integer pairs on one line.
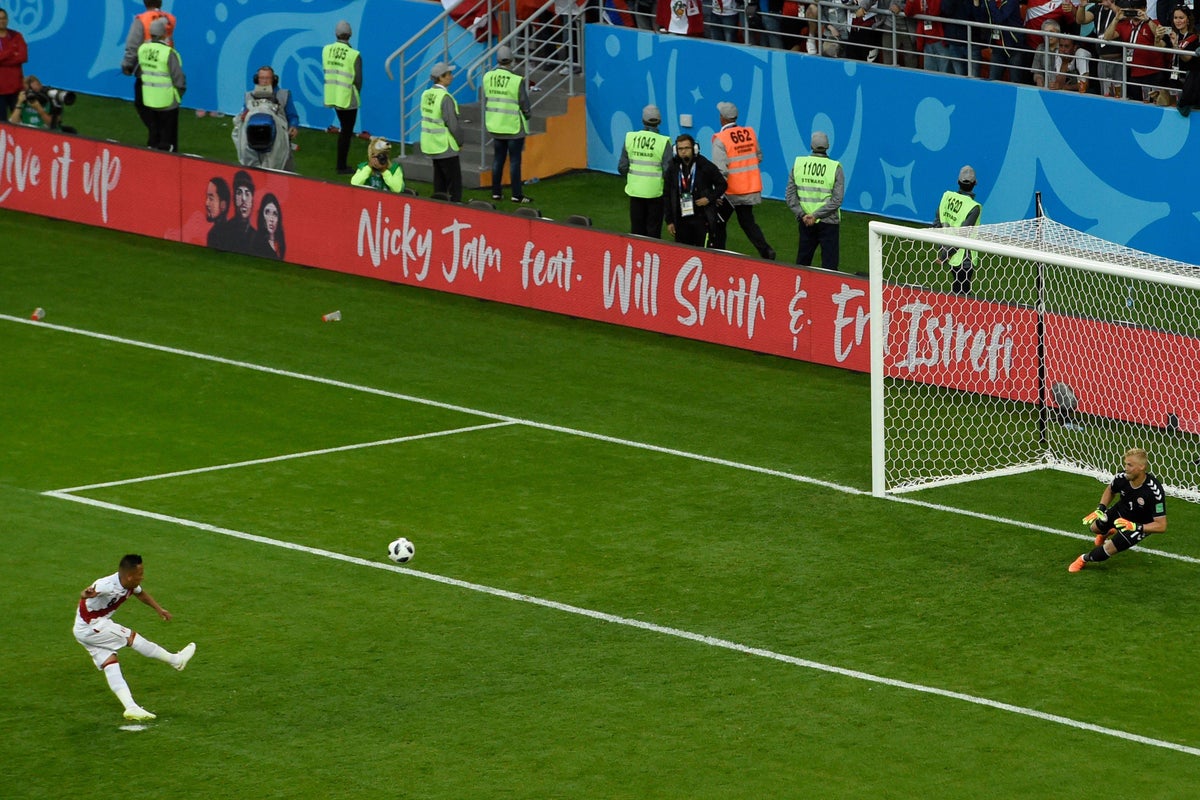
{"points": [[164, 128], [447, 177], [749, 225], [646, 216], [825, 235], [346, 119], [146, 115]]}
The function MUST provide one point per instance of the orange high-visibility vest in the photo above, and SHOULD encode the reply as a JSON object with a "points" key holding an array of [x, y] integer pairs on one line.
{"points": [[741, 145], [149, 16]]}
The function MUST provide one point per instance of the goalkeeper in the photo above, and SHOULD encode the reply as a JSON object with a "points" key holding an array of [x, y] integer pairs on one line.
{"points": [[1132, 507]]}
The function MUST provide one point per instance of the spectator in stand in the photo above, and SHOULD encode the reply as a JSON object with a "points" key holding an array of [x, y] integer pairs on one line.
{"points": [[828, 27], [1005, 46], [1134, 25], [1185, 64], [956, 34], [1093, 19], [931, 42], [896, 41], [1162, 95], [1060, 64], [723, 20], [766, 18], [643, 13], [794, 25], [864, 37], [683, 17], [13, 53], [1036, 13]]}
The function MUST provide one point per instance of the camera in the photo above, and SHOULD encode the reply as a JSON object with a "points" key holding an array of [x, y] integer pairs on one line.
{"points": [[1129, 13], [51, 98], [59, 97]]}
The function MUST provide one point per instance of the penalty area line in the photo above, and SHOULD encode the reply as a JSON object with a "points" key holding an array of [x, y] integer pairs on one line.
{"points": [[287, 457], [650, 627]]}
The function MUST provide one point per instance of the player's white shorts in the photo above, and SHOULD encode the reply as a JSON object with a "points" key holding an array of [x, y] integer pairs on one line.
{"points": [[102, 638]]}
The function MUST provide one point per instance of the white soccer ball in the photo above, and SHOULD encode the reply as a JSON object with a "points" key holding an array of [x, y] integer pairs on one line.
{"points": [[401, 551]]}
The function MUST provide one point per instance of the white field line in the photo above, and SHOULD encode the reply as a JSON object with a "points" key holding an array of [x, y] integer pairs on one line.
{"points": [[569, 431], [287, 457], [601, 616]]}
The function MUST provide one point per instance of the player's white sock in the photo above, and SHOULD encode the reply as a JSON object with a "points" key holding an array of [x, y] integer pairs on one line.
{"points": [[116, 682], [150, 650]]}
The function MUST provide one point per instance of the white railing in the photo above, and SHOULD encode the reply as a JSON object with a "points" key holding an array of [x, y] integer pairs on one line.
{"points": [[825, 30], [545, 42]]}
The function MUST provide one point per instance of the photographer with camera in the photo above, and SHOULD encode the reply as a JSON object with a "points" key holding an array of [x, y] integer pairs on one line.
{"points": [[39, 106], [378, 171], [32, 104], [1133, 25]]}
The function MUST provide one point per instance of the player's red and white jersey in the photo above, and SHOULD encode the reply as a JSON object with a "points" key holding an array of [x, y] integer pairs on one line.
{"points": [[110, 594]]}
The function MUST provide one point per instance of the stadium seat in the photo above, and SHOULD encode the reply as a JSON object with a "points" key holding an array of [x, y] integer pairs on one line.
{"points": [[440, 196], [409, 192], [482, 205], [579, 219], [528, 211]]}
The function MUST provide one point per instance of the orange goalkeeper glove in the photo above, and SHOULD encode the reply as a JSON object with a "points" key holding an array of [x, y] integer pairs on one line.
{"points": [[1095, 515], [1126, 526]]}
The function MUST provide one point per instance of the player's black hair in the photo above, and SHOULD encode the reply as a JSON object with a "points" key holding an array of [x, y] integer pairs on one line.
{"points": [[130, 561]]}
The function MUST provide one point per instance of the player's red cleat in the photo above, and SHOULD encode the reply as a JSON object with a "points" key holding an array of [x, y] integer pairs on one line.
{"points": [[1076, 565], [1099, 539]]}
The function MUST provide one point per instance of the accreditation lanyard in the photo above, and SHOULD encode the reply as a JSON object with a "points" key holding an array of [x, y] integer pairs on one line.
{"points": [[686, 184]]}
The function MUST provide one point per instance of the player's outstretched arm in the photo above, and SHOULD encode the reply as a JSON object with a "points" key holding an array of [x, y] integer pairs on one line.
{"points": [[150, 601]]}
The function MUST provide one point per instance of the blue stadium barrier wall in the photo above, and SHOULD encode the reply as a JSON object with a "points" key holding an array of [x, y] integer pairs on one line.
{"points": [[1118, 170], [78, 44]]}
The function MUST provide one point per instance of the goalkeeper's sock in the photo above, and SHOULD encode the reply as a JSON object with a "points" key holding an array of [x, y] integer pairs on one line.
{"points": [[1097, 555], [150, 650]]}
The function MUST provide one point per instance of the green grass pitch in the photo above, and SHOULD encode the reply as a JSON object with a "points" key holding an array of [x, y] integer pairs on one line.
{"points": [[646, 567]]}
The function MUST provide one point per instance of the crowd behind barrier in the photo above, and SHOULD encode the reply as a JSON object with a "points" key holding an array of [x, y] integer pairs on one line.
{"points": [[1148, 60]]}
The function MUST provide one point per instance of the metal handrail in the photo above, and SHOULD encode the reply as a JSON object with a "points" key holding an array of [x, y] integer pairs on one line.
{"points": [[523, 40], [407, 59], [750, 33]]}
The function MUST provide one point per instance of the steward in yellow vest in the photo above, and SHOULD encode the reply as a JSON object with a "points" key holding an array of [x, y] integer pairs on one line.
{"points": [[645, 157], [960, 210], [441, 134], [814, 193], [163, 85], [506, 116], [342, 65]]}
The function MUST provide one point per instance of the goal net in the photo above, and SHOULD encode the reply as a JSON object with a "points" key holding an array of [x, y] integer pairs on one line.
{"points": [[1066, 351]]}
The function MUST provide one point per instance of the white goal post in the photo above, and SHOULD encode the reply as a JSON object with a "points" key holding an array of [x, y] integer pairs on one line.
{"points": [[1066, 351]]}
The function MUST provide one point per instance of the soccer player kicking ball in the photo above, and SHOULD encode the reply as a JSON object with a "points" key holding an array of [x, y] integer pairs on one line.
{"points": [[1141, 510], [102, 638]]}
